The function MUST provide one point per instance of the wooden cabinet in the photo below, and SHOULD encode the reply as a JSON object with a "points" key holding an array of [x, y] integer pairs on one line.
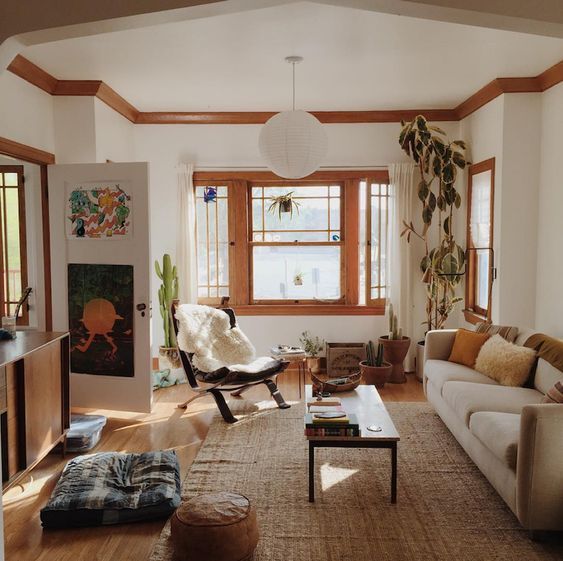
{"points": [[35, 371]]}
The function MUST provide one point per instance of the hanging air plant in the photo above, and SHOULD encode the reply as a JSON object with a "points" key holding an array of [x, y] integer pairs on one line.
{"points": [[283, 204]]}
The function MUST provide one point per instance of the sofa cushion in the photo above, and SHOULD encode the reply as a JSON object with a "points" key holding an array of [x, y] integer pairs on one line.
{"points": [[439, 372], [466, 347], [507, 332], [546, 376], [499, 432], [555, 394], [505, 362], [466, 398]]}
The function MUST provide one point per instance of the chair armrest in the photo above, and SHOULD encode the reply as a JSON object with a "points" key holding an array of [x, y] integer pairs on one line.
{"points": [[539, 470], [438, 344]]}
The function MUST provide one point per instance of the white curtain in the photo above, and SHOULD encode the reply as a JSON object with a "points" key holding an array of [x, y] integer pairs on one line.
{"points": [[399, 263], [186, 257]]}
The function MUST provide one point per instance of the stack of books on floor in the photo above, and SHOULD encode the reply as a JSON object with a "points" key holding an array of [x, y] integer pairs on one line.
{"points": [[327, 417]]}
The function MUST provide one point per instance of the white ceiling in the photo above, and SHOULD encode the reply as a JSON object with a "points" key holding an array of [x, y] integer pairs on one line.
{"points": [[354, 59]]}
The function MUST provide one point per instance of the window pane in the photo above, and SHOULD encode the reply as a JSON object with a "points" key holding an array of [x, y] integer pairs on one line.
{"points": [[11, 179], [379, 218], [482, 288], [296, 273], [212, 230], [363, 238], [13, 244]]}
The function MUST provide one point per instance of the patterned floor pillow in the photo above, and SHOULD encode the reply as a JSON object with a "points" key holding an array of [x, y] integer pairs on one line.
{"points": [[112, 488]]}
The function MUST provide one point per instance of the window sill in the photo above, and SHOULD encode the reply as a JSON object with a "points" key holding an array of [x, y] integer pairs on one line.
{"points": [[473, 317], [308, 310]]}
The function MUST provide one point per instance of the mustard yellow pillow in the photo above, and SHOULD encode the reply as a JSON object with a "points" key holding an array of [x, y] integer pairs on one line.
{"points": [[466, 347]]}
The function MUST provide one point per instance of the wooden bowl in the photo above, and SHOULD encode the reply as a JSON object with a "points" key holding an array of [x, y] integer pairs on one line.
{"points": [[354, 381]]}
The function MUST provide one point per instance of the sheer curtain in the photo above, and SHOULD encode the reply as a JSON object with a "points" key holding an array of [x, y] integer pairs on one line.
{"points": [[399, 275], [186, 257]]}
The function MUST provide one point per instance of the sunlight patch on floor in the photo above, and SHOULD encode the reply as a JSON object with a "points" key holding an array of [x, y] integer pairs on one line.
{"points": [[333, 475]]}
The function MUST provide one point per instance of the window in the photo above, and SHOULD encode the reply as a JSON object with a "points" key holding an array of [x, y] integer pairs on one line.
{"points": [[13, 242], [296, 256], [480, 266], [325, 256], [212, 243]]}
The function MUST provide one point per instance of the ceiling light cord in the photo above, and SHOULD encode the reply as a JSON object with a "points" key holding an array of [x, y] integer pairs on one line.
{"points": [[293, 68]]}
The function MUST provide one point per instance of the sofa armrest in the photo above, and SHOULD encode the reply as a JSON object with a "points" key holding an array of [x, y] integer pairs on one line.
{"points": [[539, 471], [438, 344]]}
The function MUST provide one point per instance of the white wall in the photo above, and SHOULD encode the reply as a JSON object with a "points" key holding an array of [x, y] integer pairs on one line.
{"points": [[549, 299], [75, 130], [26, 113], [236, 146], [113, 135]]}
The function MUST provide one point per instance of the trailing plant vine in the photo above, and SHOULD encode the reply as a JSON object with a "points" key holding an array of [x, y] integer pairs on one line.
{"points": [[438, 160]]}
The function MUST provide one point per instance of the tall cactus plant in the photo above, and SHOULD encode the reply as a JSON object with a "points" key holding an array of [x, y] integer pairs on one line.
{"points": [[395, 332], [167, 292]]}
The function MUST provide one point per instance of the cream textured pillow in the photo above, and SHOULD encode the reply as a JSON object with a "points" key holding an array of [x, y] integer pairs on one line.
{"points": [[505, 362]]}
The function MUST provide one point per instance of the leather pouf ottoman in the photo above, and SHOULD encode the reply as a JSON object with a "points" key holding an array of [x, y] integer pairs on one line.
{"points": [[215, 526]]}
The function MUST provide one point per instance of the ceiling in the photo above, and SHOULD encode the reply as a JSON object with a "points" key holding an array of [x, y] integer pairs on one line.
{"points": [[354, 60]]}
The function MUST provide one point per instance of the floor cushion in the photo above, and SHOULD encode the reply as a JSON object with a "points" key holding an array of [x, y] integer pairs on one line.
{"points": [[111, 488], [499, 432], [439, 372], [466, 398]]}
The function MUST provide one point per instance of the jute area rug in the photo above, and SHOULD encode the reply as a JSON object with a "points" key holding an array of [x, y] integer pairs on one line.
{"points": [[446, 508]]}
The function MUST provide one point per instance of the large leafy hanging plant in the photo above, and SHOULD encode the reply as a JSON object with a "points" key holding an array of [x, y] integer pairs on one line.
{"points": [[438, 160]]}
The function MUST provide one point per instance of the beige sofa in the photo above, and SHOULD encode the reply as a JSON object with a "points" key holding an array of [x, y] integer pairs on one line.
{"points": [[514, 439]]}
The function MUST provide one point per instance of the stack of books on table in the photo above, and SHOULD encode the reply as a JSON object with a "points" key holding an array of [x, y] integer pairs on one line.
{"points": [[327, 417], [287, 352]]}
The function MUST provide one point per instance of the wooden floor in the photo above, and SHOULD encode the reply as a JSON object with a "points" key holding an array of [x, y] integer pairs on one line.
{"points": [[165, 428]]}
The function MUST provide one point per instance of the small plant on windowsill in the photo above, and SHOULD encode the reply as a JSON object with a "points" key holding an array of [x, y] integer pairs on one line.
{"points": [[312, 346], [283, 204]]}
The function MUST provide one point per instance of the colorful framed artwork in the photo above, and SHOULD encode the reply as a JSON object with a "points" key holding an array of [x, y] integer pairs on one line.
{"points": [[101, 318], [101, 211]]}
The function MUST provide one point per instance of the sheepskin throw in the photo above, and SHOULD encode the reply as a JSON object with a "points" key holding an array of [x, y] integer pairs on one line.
{"points": [[508, 364], [206, 333]]}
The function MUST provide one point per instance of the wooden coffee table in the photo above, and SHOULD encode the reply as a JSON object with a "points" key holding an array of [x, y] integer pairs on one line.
{"points": [[366, 404]]}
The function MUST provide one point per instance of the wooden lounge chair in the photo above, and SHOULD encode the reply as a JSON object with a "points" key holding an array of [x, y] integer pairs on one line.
{"points": [[226, 380]]}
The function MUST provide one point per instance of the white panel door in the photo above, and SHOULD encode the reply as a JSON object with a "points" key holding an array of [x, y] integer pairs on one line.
{"points": [[94, 244]]}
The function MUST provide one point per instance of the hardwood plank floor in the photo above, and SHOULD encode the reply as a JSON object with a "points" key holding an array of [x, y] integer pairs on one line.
{"points": [[165, 428]]}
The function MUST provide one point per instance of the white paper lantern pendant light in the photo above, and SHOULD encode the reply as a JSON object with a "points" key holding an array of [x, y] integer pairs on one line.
{"points": [[293, 143]]}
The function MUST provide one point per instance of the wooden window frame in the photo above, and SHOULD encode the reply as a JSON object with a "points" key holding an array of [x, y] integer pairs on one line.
{"points": [[18, 169], [472, 312], [239, 185]]}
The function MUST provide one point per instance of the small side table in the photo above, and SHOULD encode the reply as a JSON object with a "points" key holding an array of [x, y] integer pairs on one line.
{"points": [[299, 360]]}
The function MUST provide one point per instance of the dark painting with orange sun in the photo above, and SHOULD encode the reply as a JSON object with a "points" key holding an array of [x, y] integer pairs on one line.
{"points": [[100, 317]]}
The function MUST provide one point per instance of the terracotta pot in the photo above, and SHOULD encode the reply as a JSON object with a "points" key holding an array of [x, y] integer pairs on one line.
{"points": [[395, 351], [168, 357], [314, 364], [376, 375]]}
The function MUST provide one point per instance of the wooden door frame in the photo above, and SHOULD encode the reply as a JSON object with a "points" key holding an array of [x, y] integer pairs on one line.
{"points": [[42, 159]]}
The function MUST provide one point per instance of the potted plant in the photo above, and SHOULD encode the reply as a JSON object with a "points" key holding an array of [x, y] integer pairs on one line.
{"points": [[438, 160], [375, 371], [168, 291], [283, 204], [395, 348], [312, 346]]}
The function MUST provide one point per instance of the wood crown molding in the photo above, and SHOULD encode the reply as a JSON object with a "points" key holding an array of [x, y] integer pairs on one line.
{"points": [[25, 152], [35, 75], [381, 175]]}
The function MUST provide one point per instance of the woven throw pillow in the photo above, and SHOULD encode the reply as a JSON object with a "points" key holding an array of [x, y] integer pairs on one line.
{"points": [[505, 362], [466, 347], [555, 394], [507, 332]]}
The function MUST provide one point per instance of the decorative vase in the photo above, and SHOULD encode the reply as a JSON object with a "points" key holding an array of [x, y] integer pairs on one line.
{"points": [[169, 357], [314, 364], [376, 375], [395, 351], [420, 360]]}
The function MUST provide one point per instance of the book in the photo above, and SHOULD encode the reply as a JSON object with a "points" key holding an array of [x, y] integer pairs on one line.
{"points": [[351, 421], [325, 408], [325, 402], [332, 431]]}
